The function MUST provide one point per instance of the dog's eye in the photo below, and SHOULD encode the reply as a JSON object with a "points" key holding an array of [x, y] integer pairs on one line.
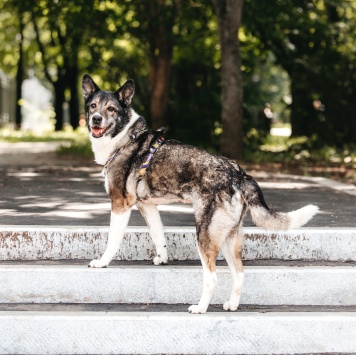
{"points": [[111, 109], [92, 105]]}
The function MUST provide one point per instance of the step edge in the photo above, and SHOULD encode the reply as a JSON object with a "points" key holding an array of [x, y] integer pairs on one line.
{"points": [[167, 268], [167, 314], [171, 229]]}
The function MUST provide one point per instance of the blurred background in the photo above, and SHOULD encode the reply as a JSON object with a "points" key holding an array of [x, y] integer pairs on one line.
{"points": [[264, 82]]}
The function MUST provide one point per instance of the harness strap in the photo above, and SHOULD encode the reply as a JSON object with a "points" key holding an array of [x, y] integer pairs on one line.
{"points": [[150, 154], [106, 166]]}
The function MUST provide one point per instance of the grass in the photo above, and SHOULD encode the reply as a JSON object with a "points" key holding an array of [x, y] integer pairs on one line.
{"points": [[14, 136], [298, 150], [74, 142], [300, 155], [80, 144]]}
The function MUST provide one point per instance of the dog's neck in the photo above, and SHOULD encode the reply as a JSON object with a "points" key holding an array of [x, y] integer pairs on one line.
{"points": [[105, 146]]}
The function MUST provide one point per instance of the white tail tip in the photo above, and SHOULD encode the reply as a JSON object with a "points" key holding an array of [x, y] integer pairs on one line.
{"points": [[300, 217]]}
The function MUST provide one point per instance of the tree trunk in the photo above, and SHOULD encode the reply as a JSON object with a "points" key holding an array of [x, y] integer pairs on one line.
{"points": [[19, 76], [58, 103], [161, 51], [160, 70], [229, 17], [72, 77]]}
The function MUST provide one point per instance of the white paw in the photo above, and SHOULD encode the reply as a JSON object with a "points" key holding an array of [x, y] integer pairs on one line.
{"points": [[230, 306], [97, 263], [196, 309], [158, 260]]}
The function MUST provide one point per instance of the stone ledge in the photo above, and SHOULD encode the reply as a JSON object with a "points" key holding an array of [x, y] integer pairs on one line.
{"points": [[56, 243], [264, 285]]}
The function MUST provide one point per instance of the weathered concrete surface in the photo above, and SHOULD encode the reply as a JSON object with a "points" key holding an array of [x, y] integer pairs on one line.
{"points": [[44, 242], [173, 333], [175, 284]]}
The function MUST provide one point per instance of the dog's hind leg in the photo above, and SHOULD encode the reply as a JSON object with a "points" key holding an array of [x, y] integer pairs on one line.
{"points": [[208, 251], [151, 214], [118, 223], [231, 250], [215, 227]]}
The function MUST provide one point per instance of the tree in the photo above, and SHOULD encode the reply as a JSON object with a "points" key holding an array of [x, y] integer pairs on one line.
{"points": [[20, 69], [229, 17], [194, 111], [59, 51], [313, 41], [156, 19], [12, 55]]}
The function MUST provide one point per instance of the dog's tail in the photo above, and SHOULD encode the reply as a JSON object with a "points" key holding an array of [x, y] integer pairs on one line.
{"points": [[265, 217]]}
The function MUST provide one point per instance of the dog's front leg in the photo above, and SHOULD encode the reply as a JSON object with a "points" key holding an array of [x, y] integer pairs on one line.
{"points": [[118, 223], [151, 214]]}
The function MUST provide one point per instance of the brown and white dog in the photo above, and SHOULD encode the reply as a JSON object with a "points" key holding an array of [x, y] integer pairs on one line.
{"points": [[142, 170]]}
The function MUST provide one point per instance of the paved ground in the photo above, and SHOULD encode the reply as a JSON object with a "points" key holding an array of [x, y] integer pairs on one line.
{"points": [[39, 188]]}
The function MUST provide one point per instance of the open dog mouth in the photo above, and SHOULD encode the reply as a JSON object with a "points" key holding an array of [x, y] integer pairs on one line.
{"points": [[98, 132]]}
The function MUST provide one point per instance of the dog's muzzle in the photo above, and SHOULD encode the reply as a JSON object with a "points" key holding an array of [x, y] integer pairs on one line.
{"points": [[96, 130]]}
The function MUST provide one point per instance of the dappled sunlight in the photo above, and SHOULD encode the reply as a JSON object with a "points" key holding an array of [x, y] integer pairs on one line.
{"points": [[26, 197], [36, 204], [25, 174], [90, 194], [96, 175], [286, 185], [175, 208], [7, 211], [53, 196], [281, 131], [69, 214], [87, 207]]}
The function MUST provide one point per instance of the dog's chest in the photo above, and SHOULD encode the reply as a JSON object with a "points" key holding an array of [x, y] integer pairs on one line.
{"points": [[102, 149], [119, 183]]}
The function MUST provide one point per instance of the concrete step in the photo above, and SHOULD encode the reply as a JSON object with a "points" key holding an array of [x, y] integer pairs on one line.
{"points": [[301, 284], [44, 242], [145, 332]]}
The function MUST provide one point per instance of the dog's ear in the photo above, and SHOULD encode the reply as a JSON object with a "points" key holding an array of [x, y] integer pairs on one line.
{"points": [[126, 92], [89, 87]]}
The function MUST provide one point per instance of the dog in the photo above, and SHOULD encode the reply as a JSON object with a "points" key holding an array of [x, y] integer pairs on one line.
{"points": [[142, 169]]}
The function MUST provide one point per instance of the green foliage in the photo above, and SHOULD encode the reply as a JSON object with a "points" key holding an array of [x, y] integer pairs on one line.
{"points": [[12, 136], [314, 42], [73, 142], [78, 145], [304, 48], [300, 151], [194, 107]]}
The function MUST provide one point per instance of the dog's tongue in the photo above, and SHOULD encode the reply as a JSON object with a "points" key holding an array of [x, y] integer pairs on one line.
{"points": [[97, 131]]}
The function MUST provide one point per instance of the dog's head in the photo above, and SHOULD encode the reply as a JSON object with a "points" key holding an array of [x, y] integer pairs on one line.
{"points": [[107, 113]]}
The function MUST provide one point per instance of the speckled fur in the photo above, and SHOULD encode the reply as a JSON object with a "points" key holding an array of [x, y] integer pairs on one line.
{"points": [[218, 188]]}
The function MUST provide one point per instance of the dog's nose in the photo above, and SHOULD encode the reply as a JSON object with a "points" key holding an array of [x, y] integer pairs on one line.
{"points": [[97, 119]]}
